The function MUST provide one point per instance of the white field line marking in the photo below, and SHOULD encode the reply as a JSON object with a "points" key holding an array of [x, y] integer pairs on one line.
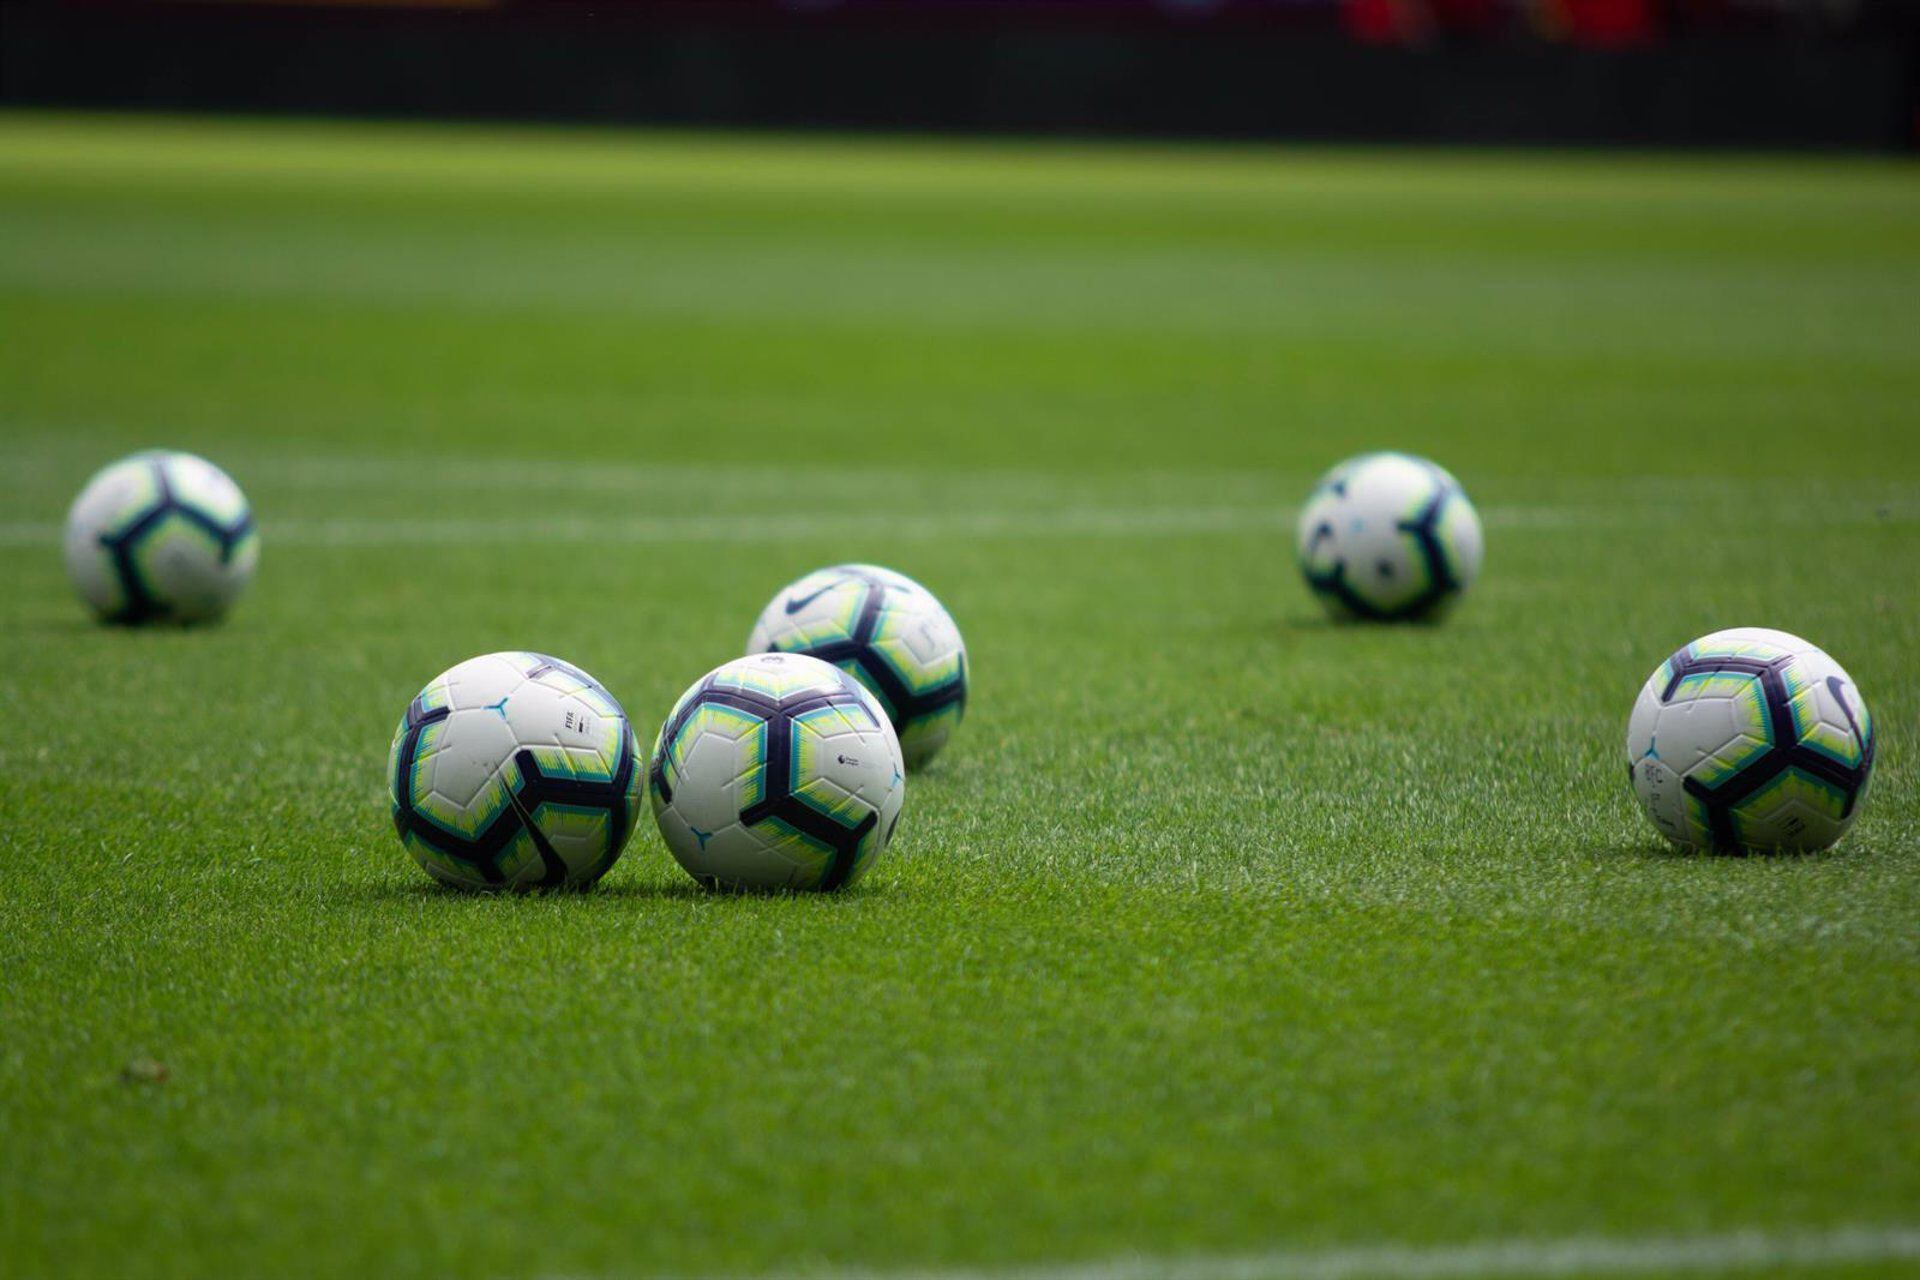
{"points": [[1573, 1256], [756, 527], [1102, 522], [572, 476], [745, 528], [1652, 496]]}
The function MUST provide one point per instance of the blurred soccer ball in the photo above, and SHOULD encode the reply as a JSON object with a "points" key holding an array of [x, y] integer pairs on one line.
{"points": [[1750, 740], [1389, 537], [515, 770], [777, 771], [890, 633], [161, 537]]}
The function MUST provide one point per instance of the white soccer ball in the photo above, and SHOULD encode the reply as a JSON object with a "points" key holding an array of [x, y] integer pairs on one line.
{"points": [[1750, 740], [515, 770], [1389, 537], [161, 537], [888, 632], [777, 771]]}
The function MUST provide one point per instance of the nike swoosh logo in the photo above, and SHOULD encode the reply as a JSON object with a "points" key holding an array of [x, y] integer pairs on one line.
{"points": [[796, 605], [1834, 686]]}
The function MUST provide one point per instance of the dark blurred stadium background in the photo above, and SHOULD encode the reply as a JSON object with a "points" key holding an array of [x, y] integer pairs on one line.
{"points": [[1742, 73]]}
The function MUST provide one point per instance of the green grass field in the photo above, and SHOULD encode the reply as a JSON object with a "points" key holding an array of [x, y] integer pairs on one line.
{"points": [[1218, 931]]}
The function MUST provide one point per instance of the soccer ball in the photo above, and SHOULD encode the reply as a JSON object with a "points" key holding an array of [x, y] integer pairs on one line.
{"points": [[777, 771], [1750, 740], [1389, 537], [161, 536], [515, 770], [890, 633]]}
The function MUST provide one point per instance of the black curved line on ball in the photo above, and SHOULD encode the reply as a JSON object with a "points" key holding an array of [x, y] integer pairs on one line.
{"points": [[555, 867], [904, 706], [482, 852], [1442, 580], [142, 604], [1784, 752], [1424, 527], [778, 800], [1334, 583]]}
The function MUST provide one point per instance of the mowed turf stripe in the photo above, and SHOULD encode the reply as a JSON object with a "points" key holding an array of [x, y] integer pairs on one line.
{"points": [[1098, 522], [1731, 1252]]}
